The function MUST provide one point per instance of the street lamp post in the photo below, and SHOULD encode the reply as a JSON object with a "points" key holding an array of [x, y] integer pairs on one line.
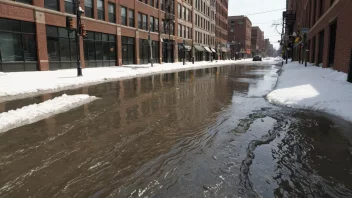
{"points": [[150, 47], [79, 11]]}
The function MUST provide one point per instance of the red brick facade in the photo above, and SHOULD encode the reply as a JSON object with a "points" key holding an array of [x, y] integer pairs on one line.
{"points": [[321, 16], [41, 16], [241, 27]]}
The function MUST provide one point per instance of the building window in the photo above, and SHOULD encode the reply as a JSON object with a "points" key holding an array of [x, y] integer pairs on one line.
{"points": [[131, 18], [156, 24], [99, 49], [51, 4], [151, 3], [151, 21], [179, 30], [123, 16], [145, 27], [112, 17], [140, 24], [101, 15], [69, 8], [179, 11], [62, 50], [88, 8], [18, 47], [142, 21], [157, 4], [127, 50], [184, 13]]}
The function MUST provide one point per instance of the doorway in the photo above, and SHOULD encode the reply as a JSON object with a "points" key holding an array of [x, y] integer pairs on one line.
{"points": [[332, 43], [321, 48]]}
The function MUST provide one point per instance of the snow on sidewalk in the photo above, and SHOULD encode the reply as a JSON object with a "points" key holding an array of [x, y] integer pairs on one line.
{"points": [[314, 88], [17, 85], [35, 112]]}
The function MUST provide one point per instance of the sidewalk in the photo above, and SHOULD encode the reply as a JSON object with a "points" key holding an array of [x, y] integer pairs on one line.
{"points": [[25, 84], [314, 88]]}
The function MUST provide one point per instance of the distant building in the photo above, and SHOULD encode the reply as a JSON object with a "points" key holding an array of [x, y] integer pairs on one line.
{"points": [[256, 40], [240, 27]]}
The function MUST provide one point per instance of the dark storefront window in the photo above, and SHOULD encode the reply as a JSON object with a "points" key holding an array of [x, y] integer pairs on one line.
{"points": [[51, 4], [62, 50], [127, 50], [168, 51], [156, 51], [144, 51], [131, 18], [88, 5], [123, 16], [112, 17], [18, 46], [99, 49], [69, 7], [101, 15]]}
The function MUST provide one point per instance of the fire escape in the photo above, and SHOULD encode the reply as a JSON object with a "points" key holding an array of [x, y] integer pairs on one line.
{"points": [[168, 28]]}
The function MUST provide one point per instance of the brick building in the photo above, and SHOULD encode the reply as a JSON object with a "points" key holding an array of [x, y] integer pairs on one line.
{"points": [[329, 39], [204, 29], [33, 34], [221, 28], [256, 40], [241, 28]]}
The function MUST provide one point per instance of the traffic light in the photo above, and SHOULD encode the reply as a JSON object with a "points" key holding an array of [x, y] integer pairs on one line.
{"points": [[69, 23], [83, 30]]}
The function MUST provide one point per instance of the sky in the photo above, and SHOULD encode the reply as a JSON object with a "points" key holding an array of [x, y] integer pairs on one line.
{"points": [[265, 20]]}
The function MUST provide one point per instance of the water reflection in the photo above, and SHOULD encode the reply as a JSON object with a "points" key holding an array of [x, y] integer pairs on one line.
{"points": [[163, 135]]}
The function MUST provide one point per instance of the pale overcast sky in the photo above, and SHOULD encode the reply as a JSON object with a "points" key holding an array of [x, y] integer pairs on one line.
{"points": [[265, 20]]}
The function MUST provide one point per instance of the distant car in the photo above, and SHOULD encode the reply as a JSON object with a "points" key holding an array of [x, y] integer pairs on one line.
{"points": [[257, 58]]}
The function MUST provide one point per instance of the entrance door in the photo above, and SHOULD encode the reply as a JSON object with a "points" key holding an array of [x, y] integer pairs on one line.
{"points": [[332, 43], [349, 79], [321, 47]]}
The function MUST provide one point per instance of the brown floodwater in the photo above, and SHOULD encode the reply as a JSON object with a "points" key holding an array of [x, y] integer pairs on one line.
{"points": [[198, 133]]}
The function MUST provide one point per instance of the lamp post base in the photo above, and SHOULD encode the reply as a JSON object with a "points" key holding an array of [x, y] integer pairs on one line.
{"points": [[79, 72]]}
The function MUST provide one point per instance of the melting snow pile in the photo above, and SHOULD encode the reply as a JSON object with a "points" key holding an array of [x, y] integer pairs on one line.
{"points": [[314, 88], [35, 112]]}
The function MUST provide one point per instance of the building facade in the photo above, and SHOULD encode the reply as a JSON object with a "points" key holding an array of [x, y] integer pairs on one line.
{"points": [[241, 28], [256, 41], [33, 33], [221, 25], [328, 42], [204, 30]]}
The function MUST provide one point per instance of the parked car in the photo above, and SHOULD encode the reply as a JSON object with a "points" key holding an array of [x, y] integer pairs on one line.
{"points": [[257, 58]]}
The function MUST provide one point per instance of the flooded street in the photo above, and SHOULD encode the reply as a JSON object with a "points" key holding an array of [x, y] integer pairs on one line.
{"points": [[198, 133]]}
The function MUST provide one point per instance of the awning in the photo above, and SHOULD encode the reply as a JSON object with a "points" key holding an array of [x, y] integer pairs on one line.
{"points": [[199, 48], [207, 49], [224, 49], [213, 50]]}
